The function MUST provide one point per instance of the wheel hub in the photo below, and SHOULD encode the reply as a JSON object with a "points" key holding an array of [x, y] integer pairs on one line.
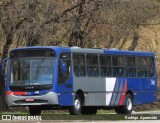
{"points": [[77, 104], [129, 104]]}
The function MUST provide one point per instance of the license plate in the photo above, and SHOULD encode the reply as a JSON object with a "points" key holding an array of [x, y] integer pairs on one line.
{"points": [[29, 100]]}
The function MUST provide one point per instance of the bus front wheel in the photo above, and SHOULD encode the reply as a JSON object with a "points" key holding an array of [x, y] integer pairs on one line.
{"points": [[128, 106], [76, 109], [34, 110]]}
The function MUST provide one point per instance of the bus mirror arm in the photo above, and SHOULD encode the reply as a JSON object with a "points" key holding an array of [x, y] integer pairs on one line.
{"points": [[3, 66]]}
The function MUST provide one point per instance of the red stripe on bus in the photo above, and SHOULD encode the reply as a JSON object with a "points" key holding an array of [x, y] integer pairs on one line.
{"points": [[16, 93], [123, 94]]}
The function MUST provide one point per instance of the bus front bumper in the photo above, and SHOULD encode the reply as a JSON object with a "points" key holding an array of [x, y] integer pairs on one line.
{"points": [[50, 98]]}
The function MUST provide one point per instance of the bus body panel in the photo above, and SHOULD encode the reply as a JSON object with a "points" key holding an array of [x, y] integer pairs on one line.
{"points": [[143, 84], [101, 91], [65, 93], [144, 97], [98, 91], [144, 89], [128, 53], [108, 91], [94, 89], [86, 50]]}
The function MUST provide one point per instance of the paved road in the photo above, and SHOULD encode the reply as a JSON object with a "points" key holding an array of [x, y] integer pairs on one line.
{"points": [[146, 112]]}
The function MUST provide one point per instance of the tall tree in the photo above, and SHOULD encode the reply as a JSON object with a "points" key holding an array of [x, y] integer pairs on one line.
{"points": [[10, 21]]}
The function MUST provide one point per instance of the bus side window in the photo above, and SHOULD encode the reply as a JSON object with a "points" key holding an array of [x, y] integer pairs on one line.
{"points": [[79, 65], [150, 66], [118, 66], [141, 66], [66, 59], [105, 65], [150, 72], [92, 65], [130, 66]]}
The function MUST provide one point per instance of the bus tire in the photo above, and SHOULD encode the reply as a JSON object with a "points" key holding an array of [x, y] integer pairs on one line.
{"points": [[34, 110], [128, 106], [76, 109]]}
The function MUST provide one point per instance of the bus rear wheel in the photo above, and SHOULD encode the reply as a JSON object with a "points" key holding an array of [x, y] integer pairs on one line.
{"points": [[128, 106], [34, 110], [76, 109]]}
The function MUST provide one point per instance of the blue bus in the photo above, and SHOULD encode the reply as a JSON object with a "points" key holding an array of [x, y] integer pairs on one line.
{"points": [[79, 79]]}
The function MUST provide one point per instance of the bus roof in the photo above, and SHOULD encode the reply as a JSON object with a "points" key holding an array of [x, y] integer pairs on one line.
{"points": [[91, 50]]}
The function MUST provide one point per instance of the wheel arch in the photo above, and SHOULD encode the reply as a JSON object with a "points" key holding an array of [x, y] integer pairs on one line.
{"points": [[131, 93]]}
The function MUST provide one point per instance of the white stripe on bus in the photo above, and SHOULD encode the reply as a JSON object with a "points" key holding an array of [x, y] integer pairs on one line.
{"points": [[110, 84]]}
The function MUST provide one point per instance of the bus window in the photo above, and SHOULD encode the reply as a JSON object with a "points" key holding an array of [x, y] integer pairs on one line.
{"points": [[142, 72], [130, 66], [150, 62], [92, 65], [150, 67], [105, 63], [118, 69], [117, 61], [141, 62], [79, 65], [105, 60], [130, 61], [150, 72], [130, 72], [141, 66], [63, 77]]}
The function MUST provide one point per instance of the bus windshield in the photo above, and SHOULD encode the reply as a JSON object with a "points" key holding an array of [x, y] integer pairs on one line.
{"points": [[31, 71]]}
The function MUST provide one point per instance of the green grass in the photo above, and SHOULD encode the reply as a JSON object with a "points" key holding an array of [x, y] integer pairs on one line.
{"points": [[105, 111]]}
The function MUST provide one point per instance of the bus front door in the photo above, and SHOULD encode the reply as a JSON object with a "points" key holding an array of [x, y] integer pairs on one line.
{"points": [[65, 81]]}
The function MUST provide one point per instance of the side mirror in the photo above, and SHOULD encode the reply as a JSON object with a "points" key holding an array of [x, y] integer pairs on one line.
{"points": [[3, 72], [63, 67]]}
